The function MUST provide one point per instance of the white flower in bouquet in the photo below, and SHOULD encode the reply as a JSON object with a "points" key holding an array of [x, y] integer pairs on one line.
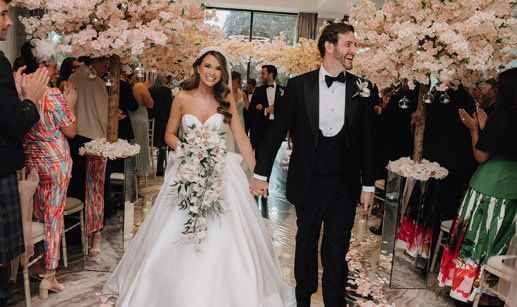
{"points": [[200, 163]]}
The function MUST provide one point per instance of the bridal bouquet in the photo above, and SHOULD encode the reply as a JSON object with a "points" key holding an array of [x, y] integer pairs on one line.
{"points": [[419, 171], [103, 148], [197, 179]]}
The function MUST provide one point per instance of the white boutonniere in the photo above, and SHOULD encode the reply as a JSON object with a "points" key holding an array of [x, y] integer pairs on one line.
{"points": [[281, 91], [362, 89]]}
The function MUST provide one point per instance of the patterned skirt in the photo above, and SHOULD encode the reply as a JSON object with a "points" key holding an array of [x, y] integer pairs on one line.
{"points": [[484, 228], [11, 228]]}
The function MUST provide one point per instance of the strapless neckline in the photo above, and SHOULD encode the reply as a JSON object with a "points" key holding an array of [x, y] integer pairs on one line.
{"points": [[206, 121]]}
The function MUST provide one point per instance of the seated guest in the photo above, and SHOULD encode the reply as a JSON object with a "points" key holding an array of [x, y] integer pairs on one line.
{"points": [[485, 222], [48, 153]]}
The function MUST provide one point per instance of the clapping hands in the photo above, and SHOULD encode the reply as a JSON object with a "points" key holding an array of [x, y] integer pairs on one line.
{"points": [[70, 94], [32, 86]]}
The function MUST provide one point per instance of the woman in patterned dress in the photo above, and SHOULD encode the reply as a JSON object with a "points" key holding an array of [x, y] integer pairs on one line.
{"points": [[486, 219], [47, 151]]}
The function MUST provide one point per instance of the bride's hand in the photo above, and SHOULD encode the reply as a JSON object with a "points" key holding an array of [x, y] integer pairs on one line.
{"points": [[258, 187]]}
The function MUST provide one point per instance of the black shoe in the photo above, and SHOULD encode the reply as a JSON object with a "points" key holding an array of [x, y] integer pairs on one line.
{"points": [[376, 230]]}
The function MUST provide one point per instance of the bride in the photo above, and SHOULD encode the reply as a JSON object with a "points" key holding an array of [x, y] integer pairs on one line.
{"points": [[227, 260]]}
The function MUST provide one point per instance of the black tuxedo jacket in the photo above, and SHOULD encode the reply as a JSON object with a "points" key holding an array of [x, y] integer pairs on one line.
{"points": [[298, 113], [260, 121], [16, 118], [162, 97]]}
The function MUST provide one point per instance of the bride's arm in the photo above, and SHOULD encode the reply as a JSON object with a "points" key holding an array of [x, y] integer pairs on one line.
{"points": [[171, 133], [240, 136]]}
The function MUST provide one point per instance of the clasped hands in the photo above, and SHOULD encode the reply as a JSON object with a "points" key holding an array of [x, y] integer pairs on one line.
{"points": [[259, 187]]}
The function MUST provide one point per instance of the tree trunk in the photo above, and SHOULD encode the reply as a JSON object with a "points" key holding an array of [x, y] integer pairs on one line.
{"points": [[419, 118], [114, 96]]}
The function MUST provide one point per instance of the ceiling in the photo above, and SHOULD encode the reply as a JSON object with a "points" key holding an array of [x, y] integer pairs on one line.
{"points": [[324, 8]]}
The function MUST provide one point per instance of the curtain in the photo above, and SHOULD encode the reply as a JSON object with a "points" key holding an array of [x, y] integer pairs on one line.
{"points": [[306, 27]]}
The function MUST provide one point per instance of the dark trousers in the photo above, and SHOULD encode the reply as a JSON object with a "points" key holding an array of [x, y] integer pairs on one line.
{"points": [[76, 188], [330, 200], [4, 285]]}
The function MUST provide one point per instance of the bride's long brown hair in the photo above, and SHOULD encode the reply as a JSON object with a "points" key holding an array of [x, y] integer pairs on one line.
{"points": [[221, 89]]}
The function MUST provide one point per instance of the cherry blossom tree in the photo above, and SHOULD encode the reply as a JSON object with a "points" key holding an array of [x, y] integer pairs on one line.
{"points": [[159, 34], [458, 42]]}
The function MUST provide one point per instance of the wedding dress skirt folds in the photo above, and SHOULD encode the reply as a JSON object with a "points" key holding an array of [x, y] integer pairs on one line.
{"points": [[236, 266]]}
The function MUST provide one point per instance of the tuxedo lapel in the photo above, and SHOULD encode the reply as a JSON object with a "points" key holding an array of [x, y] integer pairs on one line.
{"points": [[351, 104], [311, 92]]}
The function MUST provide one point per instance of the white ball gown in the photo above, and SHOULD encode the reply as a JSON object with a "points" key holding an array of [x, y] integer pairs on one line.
{"points": [[236, 266]]}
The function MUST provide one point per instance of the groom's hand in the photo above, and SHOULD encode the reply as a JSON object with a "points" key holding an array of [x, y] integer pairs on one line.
{"points": [[259, 187], [366, 199]]}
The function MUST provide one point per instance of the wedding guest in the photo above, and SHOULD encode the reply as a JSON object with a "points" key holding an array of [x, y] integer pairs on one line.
{"points": [[68, 67], [250, 89], [393, 133], [447, 141], [241, 99], [488, 96], [48, 153], [169, 81], [91, 113], [15, 120], [485, 222], [262, 107], [162, 97], [140, 124]]}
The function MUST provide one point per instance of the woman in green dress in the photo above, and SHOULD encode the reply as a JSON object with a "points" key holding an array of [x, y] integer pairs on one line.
{"points": [[486, 219]]}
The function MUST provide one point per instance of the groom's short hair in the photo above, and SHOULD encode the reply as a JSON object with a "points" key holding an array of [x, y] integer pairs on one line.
{"points": [[330, 34]]}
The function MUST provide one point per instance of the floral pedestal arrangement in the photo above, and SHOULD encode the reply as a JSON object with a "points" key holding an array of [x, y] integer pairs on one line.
{"points": [[418, 204], [97, 153]]}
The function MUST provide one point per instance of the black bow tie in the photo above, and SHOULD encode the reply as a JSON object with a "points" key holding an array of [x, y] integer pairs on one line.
{"points": [[270, 85], [339, 78]]}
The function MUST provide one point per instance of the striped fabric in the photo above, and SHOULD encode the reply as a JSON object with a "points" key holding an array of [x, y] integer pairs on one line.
{"points": [[94, 195], [49, 154], [484, 228], [11, 231]]}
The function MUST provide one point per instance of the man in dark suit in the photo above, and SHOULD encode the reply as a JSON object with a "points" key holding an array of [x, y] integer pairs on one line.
{"points": [[16, 118], [488, 96], [162, 97], [262, 105], [329, 115], [251, 84]]}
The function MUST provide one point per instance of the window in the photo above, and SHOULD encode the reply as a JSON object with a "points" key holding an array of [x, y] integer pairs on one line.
{"points": [[256, 25]]}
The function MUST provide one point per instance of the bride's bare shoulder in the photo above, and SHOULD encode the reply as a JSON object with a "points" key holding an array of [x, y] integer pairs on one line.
{"points": [[183, 96]]}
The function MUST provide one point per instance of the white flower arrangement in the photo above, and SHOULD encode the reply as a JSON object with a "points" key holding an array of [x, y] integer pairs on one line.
{"points": [[362, 89], [197, 180], [112, 151], [419, 171]]}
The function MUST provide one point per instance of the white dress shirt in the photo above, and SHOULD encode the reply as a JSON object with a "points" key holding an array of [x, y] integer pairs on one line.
{"points": [[331, 106], [270, 93]]}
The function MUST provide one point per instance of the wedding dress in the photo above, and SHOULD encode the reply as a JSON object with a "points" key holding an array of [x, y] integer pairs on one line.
{"points": [[237, 265]]}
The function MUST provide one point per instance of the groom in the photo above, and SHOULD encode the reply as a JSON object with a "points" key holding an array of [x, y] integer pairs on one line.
{"points": [[330, 119]]}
